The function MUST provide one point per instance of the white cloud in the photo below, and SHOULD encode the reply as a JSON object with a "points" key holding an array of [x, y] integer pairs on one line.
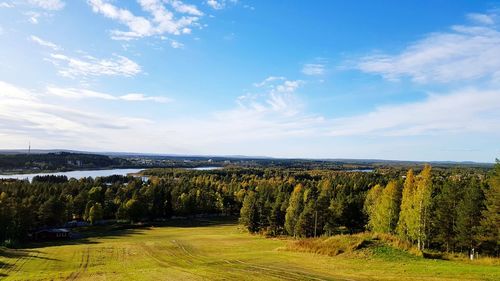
{"points": [[90, 66], [221, 4], [313, 69], [463, 53], [6, 5], [176, 44], [74, 93], [271, 122], [481, 18], [52, 5], [467, 111], [161, 21], [180, 7], [44, 43], [216, 4], [142, 97], [268, 80], [279, 97], [33, 16], [26, 115]]}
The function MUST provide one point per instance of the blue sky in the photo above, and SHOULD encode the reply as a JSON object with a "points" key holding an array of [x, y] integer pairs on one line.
{"points": [[409, 80]]}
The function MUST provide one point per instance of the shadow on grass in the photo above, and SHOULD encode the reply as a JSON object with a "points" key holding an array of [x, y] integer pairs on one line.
{"points": [[18, 257], [86, 235]]}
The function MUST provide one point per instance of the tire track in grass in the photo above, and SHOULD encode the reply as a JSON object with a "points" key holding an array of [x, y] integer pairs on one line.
{"points": [[166, 264], [82, 267], [253, 271], [236, 268], [20, 262], [297, 274]]}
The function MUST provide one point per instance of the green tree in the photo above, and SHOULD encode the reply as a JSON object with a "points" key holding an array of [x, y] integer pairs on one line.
{"points": [[469, 215], [445, 214], [408, 223], [305, 223], [249, 216], [371, 205], [294, 210], [490, 221], [95, 213], [135, 210], [423, 201]]}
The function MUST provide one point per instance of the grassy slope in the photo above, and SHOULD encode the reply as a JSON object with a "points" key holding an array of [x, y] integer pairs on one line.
{"points": [[216, 252]]}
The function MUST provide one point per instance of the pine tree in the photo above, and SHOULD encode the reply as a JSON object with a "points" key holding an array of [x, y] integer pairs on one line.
{"points": [[490, 221], [277, 216], [445, 214], [468, 215], [249, 216], [322, 204]]}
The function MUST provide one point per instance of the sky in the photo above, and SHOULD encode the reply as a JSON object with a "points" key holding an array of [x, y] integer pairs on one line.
{"points": [[402, 80]]}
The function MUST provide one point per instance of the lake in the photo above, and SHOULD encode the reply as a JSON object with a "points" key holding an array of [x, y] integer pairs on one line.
{"points": [[209, 168], [75, 174]]}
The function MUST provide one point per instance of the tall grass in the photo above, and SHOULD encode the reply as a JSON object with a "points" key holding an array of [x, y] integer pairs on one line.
{"points": [[350, 244]]}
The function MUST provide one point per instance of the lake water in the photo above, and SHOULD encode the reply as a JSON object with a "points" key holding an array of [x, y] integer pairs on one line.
{"points": [[205, 168], [75, 174], [361, 170]]}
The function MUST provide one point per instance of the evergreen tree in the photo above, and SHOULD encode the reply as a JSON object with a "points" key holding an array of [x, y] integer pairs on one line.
{"points": [[249, 216], [322, 204], [277, 216], [468, 216], [490, 221], [445, 214], [305, 223]]}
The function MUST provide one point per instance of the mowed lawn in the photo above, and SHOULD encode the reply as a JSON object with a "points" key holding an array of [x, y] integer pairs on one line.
{"points": [[219, 251]]}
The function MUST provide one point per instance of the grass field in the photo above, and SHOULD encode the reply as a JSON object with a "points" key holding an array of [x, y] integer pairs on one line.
{"points": [[215, 251]]}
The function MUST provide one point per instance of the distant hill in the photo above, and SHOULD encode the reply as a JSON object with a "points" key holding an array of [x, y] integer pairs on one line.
{"points": [[155, 159], [57, 161]]}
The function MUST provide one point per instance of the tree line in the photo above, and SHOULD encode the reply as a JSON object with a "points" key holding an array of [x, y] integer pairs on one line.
{"points": [[450, 210]]}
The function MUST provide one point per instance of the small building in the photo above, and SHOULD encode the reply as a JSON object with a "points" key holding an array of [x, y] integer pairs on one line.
{"points": [[52, 234]]}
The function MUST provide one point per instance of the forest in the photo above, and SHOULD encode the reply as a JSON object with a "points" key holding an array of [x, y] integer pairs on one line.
{"points": [[453, 209], [58, 161]]}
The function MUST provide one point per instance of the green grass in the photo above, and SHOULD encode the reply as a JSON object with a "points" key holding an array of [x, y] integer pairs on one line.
{"points": [[219, 251]]}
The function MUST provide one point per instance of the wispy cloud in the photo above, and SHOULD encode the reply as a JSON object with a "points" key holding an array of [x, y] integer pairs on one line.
{"points": [[44, 43], [481, 18], [313, 69], [175, 21], [465, 52], [465, 111], [75, 93], [25, 114], [220, 4], [268, 81], [216, 4], [6, 5], [90, 66], [52, 5], [176, 44]]}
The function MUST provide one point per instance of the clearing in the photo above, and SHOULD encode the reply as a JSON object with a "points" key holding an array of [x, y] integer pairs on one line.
{"points": [[215, 250]]}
